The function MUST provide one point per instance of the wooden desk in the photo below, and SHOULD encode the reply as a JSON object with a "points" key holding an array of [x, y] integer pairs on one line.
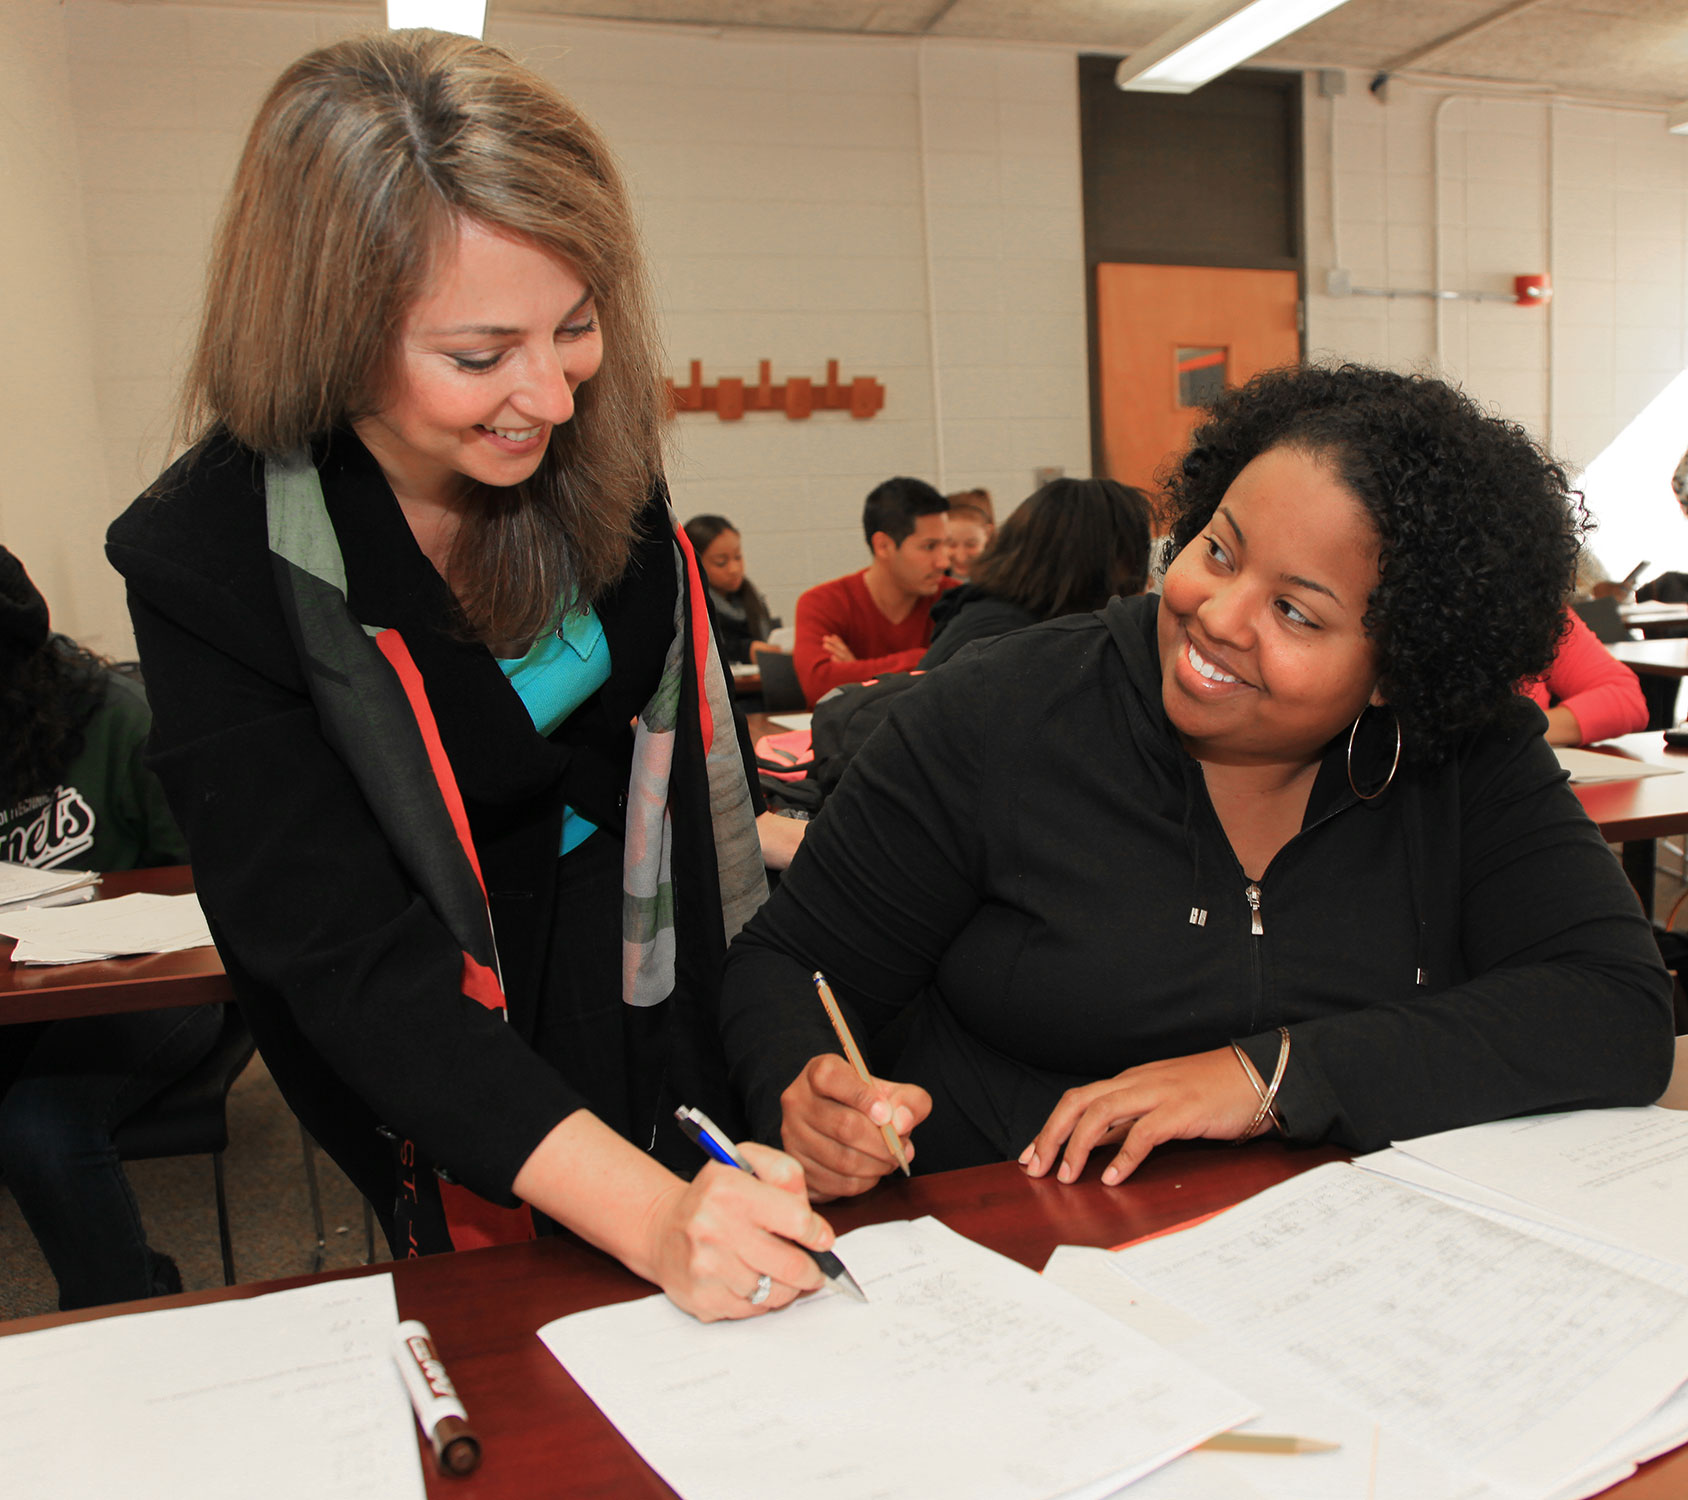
{"points": [[1664, 658], [150, 982], [1651, 612], [543, 1437], [1634, 813]]}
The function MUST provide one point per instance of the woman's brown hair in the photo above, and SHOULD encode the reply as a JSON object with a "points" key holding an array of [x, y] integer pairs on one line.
{"points": [[362, 163], [1070, 547]]}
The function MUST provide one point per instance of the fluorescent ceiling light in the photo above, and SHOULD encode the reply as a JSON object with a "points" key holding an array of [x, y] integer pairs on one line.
{"points": [[1214, 41], [1676, 122], [466, 17]]}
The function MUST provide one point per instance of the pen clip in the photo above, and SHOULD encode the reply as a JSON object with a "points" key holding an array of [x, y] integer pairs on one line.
{"points": [[711, 1138]]}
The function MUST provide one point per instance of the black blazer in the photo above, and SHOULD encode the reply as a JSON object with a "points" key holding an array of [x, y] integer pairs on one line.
{"points": [[352, 986]]}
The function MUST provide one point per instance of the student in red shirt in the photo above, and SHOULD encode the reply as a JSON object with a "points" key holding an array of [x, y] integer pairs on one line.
{"points": [[878, 620], [1587, 694]]}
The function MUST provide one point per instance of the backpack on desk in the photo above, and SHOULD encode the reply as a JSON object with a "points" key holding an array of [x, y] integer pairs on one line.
{"points": [[845, 718], [799, 769]]}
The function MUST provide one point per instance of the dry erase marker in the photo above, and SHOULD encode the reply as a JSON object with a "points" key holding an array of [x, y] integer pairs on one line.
{"points": [[857, 1061], [456, 1448], [714, 1142]]}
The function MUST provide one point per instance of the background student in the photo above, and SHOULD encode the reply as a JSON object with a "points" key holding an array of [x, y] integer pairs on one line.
{"points": [[74, 792], [1587, 694], [878, 620], [399, 607], [741, 613], [1068, 549], [1278, 850], [970, 532]]}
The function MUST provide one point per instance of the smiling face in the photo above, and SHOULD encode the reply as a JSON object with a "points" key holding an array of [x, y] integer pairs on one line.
{"points": [[723, 563], [1263, 655], [967, 538], [488, 363]]}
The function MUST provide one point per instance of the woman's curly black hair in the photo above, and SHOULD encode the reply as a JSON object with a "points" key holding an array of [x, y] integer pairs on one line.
{"points": [[1478, 529], [46, 701]]}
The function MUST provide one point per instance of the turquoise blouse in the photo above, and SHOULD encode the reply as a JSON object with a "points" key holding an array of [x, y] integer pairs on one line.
{"points": [[561, 670]]}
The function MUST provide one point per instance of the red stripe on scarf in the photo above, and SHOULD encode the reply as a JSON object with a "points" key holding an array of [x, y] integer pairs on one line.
{"points": [[700, 636], [391, 645], [474, 1223], [470, 1220]]}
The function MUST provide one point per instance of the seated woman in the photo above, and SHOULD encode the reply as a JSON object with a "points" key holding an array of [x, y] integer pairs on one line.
{"points": [[741, 613], [74, 793], [1070, 548], [1280, 849], [970, 532], [1587, 694]]}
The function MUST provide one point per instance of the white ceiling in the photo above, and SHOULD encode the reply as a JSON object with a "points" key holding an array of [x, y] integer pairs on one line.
{"points": [[1628, 49]]}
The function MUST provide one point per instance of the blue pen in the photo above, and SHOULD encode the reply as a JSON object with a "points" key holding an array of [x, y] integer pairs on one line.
{"points": [[713, 1140]]}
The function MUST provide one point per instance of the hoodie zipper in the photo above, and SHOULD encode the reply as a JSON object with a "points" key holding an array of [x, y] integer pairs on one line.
{"points": [[1252, 893]]}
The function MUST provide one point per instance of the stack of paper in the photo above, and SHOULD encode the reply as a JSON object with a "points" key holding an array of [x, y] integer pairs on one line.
{"points": [[964, 1375], [289, 1395], [20, 885], [1524, 1342], [137, 923]]}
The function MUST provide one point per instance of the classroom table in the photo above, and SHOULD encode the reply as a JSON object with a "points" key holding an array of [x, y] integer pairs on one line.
{"points": [[1651, 613], [1660, 658], [542, 1436], [1635, 813], [151, 981]]}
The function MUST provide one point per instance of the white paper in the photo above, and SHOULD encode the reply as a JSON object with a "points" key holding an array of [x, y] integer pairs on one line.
{"points": [[965, 1375], [136, 923], [268, 1398], [1493, 1350], [1620, 1175], [1588, 766], [791, 721], [22, 884], [1404, 1470]]}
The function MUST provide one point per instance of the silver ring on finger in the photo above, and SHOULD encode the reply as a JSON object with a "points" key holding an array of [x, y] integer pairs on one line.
{"points": [[764, 1285]]}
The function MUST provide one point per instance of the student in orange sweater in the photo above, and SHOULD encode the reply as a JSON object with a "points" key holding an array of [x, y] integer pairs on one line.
{"points": [[878, 620]]}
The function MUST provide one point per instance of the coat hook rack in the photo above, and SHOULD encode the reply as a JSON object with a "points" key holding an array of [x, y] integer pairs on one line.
{"points": [[797, 396]]}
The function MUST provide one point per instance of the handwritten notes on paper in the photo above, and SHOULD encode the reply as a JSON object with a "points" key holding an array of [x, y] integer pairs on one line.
{"points": [[288, 1395], [140, 922], [1499, 1352], [965, 1375], [1619, 1175]]}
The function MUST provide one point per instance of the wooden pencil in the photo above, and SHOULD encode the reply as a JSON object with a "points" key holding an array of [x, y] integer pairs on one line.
{"points": [[857, 1061], [1266, 1442]]}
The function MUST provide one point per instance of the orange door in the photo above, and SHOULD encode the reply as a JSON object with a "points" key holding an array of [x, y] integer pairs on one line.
{"points": [[1169, 336]]}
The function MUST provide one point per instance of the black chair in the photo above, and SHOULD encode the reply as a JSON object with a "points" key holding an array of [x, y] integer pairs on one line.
{"points": [[190, 1117], [1603, 618], [781, 692]]}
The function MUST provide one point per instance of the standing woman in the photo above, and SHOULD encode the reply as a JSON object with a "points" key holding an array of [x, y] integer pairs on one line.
{"points": [[399, 606]]}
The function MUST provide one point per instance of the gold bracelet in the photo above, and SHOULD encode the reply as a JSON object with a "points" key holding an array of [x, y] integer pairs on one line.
{"points": [[1267, 1099]]}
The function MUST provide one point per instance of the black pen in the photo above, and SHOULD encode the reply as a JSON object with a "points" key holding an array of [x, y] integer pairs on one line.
{"points": [[713, 1141]]}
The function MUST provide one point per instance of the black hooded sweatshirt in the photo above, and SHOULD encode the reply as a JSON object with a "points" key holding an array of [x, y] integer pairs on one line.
{"points": [[1022, 886]]}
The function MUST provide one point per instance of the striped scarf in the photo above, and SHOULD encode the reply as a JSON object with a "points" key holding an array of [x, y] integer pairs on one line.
{"points": [[374, 711]]}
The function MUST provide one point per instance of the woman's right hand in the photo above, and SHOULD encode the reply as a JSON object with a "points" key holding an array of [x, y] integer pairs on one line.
{"points": [[830, 1122], [713, 1237]]}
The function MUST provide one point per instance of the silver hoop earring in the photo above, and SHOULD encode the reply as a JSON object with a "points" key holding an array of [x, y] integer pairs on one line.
{"points": [[1394, 765]]}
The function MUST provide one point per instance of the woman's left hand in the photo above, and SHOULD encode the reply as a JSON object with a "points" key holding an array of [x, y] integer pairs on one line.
{"points": [[1176, 1099]]}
